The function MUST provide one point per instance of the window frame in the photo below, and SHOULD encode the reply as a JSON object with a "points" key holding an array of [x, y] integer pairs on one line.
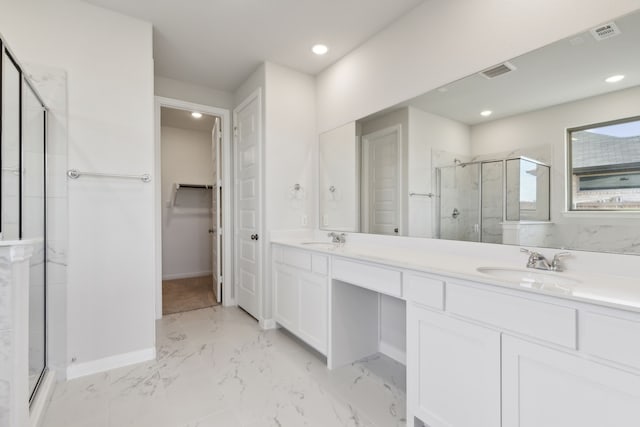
{"points": [[569, 168]]}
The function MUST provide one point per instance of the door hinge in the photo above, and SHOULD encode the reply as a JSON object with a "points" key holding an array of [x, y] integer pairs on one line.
{"points": [[235, 131]]}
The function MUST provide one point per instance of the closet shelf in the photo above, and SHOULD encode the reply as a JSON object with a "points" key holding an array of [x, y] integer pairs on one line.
{"points": [[180, 189]]}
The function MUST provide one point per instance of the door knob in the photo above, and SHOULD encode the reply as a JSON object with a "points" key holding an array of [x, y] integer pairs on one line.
{"points": [[211, 231], [254, 237]]}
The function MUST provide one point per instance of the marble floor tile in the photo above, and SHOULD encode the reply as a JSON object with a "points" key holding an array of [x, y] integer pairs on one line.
{"points": [[216, 367]]}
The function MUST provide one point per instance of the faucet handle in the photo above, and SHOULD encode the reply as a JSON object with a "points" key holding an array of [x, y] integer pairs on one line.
{"points": [[555, 263]]}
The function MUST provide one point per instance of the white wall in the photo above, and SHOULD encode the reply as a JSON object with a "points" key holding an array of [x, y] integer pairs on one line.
{"points": [[170, 88], [441, 41], [110, 128], [291, 141], [186, 242]]}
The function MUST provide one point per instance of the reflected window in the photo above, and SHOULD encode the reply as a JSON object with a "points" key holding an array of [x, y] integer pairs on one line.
{"points": [[605, 166]]}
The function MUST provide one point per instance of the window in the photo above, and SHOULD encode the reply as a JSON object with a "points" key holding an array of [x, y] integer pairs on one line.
{"points": [[604, 166]]}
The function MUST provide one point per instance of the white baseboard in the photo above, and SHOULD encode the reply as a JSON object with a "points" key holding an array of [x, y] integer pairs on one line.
{"points": [[41, 400], [186, 275], [111, 362], [392, 352], [268, 324]]}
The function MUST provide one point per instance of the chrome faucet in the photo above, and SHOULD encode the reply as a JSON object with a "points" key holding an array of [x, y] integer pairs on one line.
{"points": [[337, 237], [540, 262]]}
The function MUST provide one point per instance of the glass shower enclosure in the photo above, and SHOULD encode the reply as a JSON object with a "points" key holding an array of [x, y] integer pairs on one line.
{"points": [[23, 193], [475, 199]]}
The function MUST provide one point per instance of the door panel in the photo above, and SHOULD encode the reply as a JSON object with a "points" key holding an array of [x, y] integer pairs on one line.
{"points": [[546, 387], [382, 155], [248, 263], [458, 371]]}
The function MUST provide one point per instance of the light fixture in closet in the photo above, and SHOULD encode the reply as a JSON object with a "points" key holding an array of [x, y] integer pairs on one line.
{"points": [[196, 115]]}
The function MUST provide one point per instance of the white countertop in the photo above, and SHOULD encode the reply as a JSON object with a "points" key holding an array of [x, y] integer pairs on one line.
{"points": [[605, 290]]}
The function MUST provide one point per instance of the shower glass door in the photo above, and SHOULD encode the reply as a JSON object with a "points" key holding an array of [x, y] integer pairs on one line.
{"points": [[459, 202], [33, 226]]}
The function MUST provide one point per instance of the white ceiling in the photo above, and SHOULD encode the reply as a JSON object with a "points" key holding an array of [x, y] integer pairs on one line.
{"points": [[218, 43], [568, 70], [182, 119]]}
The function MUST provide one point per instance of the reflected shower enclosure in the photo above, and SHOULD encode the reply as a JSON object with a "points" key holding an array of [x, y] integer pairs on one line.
{"points": [[475, 200]]}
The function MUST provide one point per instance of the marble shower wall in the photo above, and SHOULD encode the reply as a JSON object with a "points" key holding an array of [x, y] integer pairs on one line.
{"points": [[51, 84], [492, 202]]}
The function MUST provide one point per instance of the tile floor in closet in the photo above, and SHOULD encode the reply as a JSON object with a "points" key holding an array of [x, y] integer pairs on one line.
{"points": [[215, 367]]}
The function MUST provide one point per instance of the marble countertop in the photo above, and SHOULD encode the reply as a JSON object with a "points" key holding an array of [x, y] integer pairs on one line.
{"points": [[605, 290]]}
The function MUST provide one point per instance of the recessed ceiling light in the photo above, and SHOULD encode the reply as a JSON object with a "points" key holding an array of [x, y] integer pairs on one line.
{"points": [[486, 113], [614, 79], [196, 115], [320, 49]]}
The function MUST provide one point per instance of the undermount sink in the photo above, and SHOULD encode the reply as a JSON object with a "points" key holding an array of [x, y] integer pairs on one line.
{"points": [[532, 279], [326, 245]]}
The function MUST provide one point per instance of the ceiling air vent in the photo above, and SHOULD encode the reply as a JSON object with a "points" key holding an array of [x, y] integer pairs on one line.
{"points": [[605, 31], [498, 70]]}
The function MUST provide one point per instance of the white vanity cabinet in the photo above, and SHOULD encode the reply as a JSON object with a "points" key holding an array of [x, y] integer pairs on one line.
{"points": [[491, 357], [300, 281], [453, 370]]}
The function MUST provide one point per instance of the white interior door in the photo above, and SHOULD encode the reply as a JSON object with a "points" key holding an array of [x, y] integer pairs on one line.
{"points": [[382, 157], [248, 212], [216, 211]]}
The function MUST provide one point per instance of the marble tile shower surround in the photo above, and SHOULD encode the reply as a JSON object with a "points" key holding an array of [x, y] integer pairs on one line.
{"points": [[51, 84], [215, 367], [14, 320]]}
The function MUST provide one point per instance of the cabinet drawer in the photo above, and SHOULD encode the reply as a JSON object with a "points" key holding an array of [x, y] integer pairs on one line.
{"points": [[540, 320], [296, 258], [610, 338], [424, 290], [379, 279]]}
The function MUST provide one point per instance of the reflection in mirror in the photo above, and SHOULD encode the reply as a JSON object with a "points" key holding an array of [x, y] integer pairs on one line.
{"points": [[339, 190], [528, 191], [605, 166], [484, 158]]}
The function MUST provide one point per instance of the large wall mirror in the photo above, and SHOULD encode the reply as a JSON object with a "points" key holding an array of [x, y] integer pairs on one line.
{"points": [[541, 150]]}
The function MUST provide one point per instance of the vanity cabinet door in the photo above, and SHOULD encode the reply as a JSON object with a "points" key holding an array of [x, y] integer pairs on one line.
{"points": [[300, 304], [546, 387], [453, 371], [285, 283], [313, 310]]}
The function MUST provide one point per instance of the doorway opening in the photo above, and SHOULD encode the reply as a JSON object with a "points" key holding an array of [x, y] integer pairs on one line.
{"points": [[191, 209]]}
